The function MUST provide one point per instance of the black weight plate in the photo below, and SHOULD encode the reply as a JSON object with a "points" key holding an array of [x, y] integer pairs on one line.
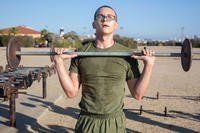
{"points": [[186, 55], [13, 60]]}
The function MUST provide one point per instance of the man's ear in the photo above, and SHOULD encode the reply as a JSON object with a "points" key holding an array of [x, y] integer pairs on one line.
{"points": [[93, 25], [116, 25]]}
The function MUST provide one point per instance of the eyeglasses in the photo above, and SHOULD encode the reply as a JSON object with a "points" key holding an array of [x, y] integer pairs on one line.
{"points": [[109, 17]]}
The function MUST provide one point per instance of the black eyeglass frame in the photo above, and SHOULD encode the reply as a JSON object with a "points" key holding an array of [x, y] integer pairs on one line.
{"points": [[108, 17]]}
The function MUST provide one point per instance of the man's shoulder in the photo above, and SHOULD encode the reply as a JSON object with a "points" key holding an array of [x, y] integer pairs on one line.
{"points": [[122, 47], [85, 46]]}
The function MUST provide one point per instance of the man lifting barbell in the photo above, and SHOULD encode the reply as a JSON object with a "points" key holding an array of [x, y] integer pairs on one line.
{"points": [[103, 79], [102, 68]]}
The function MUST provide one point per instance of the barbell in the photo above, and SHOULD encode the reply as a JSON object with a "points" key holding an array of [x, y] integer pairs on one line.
{"points": [[14, 53]]}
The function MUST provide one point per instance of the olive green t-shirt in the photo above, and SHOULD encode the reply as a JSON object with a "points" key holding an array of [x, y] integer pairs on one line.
{"points": [[103, 78]]}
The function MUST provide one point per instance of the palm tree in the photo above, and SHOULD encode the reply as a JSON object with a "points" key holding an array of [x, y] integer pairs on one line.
{"points": [[13, 31]]}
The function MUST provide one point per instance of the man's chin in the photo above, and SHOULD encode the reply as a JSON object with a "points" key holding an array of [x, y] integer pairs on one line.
{"points": [[107, 32]]}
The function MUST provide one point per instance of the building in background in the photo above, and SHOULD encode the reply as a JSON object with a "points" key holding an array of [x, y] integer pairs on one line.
{"points": [[20, 31]]}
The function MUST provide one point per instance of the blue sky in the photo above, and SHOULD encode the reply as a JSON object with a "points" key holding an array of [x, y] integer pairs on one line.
{"points": [[152, 19]]}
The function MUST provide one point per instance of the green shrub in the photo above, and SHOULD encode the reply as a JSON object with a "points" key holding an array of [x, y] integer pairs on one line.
{"points": [[126, 41], [25, 41], [4, 40], [61, 43], [195, 43], [66, 44], [86, 41]]}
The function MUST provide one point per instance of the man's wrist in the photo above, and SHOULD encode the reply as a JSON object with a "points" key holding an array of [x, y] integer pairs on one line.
{"points": [[148, 64], [58, 61]]}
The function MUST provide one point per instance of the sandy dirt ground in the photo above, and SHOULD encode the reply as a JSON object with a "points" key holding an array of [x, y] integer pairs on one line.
{"points": [[179, 91]]}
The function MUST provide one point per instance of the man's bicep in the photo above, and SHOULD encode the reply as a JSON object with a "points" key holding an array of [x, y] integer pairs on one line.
{"points": [[75, 79], [131, 84]]}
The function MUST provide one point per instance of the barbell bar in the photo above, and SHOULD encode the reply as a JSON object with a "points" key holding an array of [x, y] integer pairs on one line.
{"points": [[14, 53], [99, 54]]}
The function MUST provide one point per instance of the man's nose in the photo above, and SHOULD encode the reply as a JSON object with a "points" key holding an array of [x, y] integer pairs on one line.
{"points": [[104, 19]]}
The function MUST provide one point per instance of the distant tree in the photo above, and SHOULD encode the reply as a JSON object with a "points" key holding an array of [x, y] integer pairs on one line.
{"points": [[26, 41], [86, 41], [72, 38], [46, 36], [44, 32], [4, 39], [61, 43], [71, 35], [126, 41], [195, 42], [13, 31]]}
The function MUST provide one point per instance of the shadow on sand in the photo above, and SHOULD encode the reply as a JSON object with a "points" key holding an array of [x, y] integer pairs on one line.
{"points": [[24, 121], [173, 128], [188, 98]]}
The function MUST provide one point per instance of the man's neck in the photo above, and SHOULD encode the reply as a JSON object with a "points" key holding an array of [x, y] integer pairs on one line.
{"points": [[104, 41]]}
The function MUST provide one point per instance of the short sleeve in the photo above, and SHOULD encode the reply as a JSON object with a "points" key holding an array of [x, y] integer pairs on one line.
{"points": [[74, 65], [133, 69]]}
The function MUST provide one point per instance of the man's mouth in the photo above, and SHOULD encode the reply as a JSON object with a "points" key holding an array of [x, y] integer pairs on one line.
{"points": [[106, 25]]}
